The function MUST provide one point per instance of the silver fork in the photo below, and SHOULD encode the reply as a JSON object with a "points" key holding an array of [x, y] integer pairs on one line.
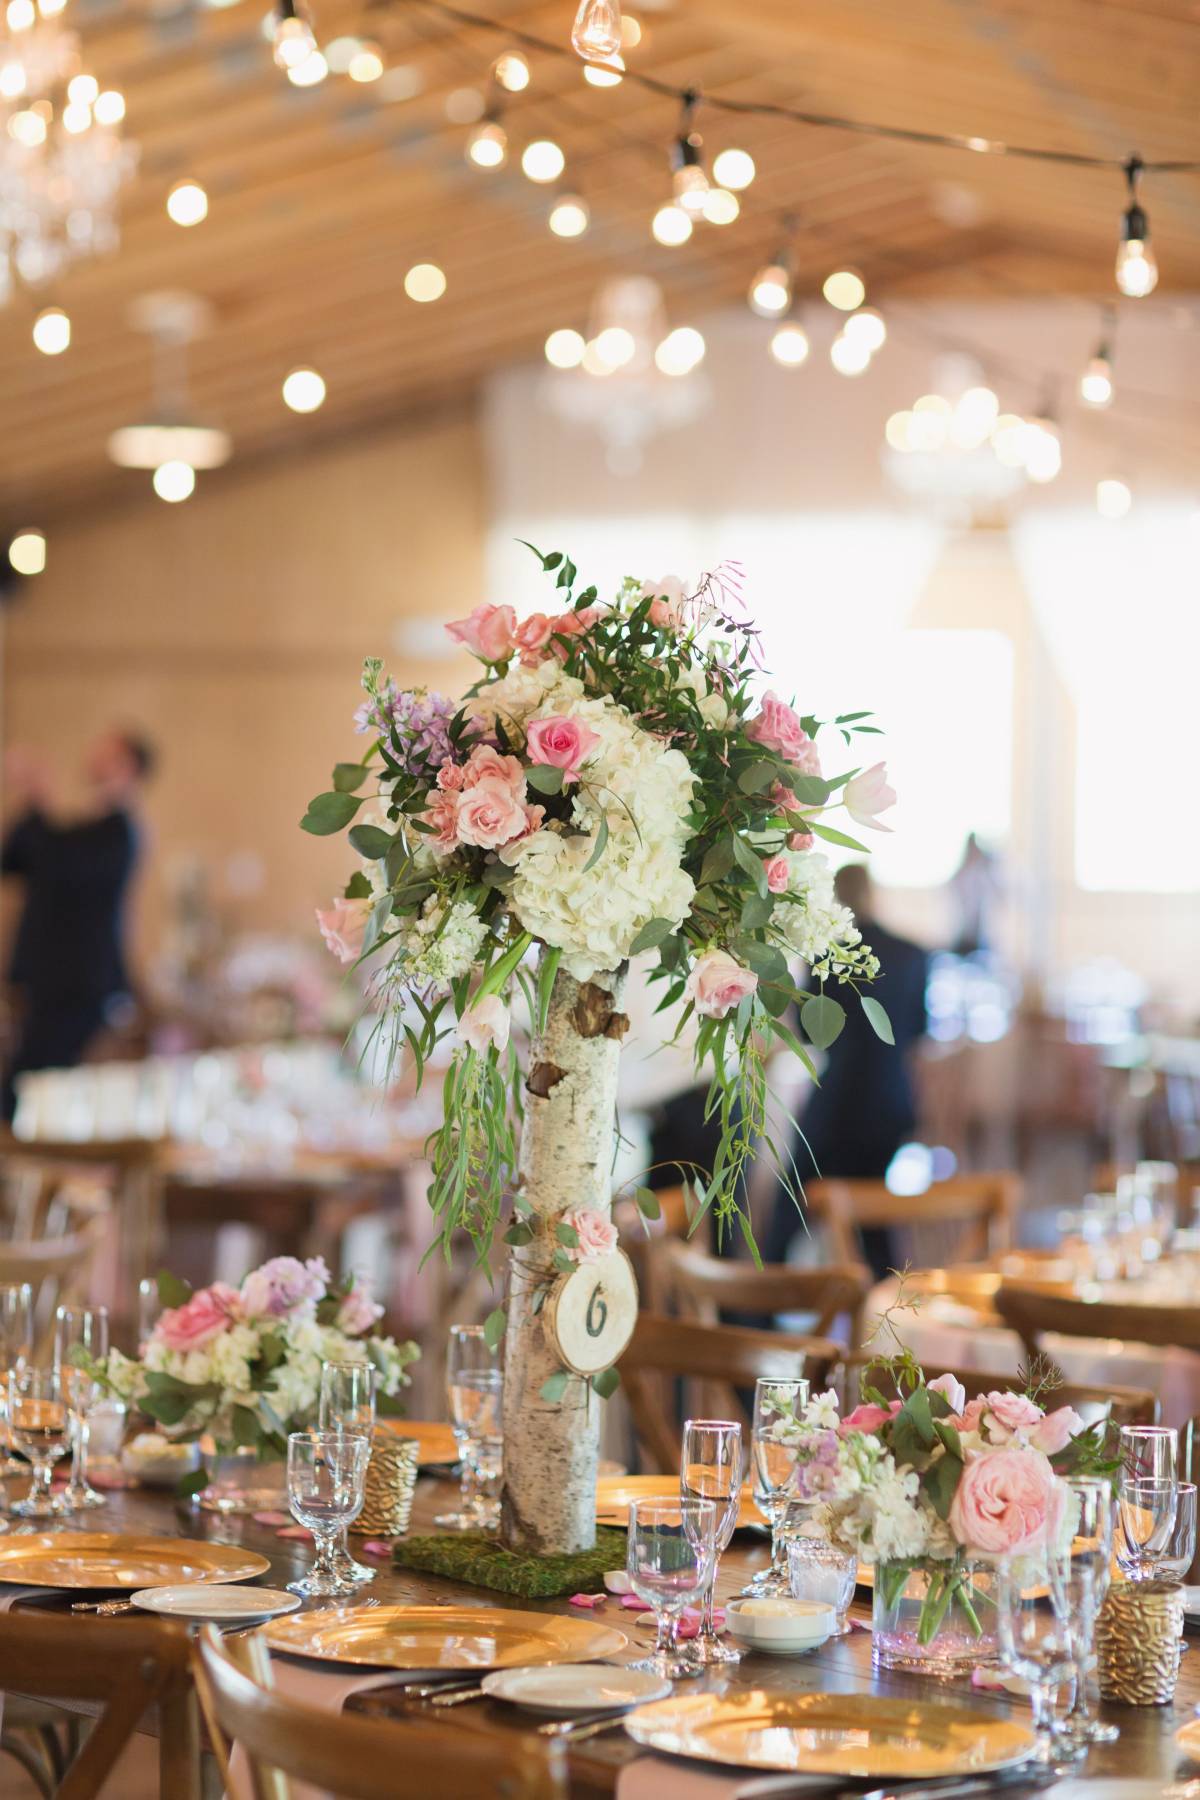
{"points": [[573, 1730]]}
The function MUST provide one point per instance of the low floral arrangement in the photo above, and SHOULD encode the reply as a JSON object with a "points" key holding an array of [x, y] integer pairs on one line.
{"points": [[243, 1365], [933, 1481]]}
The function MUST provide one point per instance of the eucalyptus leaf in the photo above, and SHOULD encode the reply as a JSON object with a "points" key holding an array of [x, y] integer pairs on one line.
{"points": [[647, 1203], [833, 836], [822, 1019], [601, 842], [328, 813], [348, 776], [566, 1234], [756, 911], [555, 1386], [606, 1383], [718, 860], [171, 1290], [194, 1482], [494, 1327], [877, 1018], [544, 778], [757, 776], [651, 935], [358, 887], [370, 842], [749, 862]]}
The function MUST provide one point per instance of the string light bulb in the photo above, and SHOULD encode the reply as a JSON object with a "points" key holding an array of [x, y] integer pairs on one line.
{"points": [[569, 216], [734, 169], [303, 391], [845, 289], [849, 356], [512, 72], [608, 73], [564, 349], [424, 283], [671, 226], [292, 39], [366, 64], [720, 206], [174, 481], [187, 203], [542, 160], [1043, 450], [1096, 388], [1137, 266], [27, 552], [771, 289], [1113, 498], [681, 351], [310, 73], [689, 182], [52, 331], [596, 33], [867, 327], [487, 145], [789, 345]]}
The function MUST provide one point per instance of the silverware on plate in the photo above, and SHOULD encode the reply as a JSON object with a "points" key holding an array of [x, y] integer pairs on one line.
{"points": [[573, 1730]]}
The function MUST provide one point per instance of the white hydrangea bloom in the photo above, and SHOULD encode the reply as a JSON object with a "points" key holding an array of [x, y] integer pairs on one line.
{"points": [[440, 956]]}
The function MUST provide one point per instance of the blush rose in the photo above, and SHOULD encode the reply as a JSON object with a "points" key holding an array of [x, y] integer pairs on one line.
{"points": [[343, 925], [205, 1316], [717, 983], [489, 632], [1008, 1502], [777, 727], [561, 742], [596, 1233]]}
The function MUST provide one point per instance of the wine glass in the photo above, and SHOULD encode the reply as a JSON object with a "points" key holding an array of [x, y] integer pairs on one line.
{"points": [[1087, 1570], [39, 1426], [16, 1344], [347, 1404], [80, 1341], [325, 1473], [1149, 1452], [669, 1557], [774, 1446], [1037, 1641], [711, 1469], [1157, 1540], [149, 1306], [474, 1391]]}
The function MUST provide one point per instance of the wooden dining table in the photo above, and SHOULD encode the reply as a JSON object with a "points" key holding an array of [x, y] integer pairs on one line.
{"points": [[1145, 1750]]}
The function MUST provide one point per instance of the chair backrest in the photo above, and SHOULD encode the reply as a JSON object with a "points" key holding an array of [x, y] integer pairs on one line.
{"points": [[1030, 1312], [722, 1359], [134, 1167], [357, 1759], [57, 1270], [126, 1665], [1117, 1405], [702, 1286], [960, 1220]]}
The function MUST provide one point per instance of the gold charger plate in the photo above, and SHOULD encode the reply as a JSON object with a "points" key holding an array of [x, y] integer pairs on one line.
{"points": [[1188, 1739], [441, 1637], [858, 1735], [434, 1438], [106, 1559], [614, 1493]]}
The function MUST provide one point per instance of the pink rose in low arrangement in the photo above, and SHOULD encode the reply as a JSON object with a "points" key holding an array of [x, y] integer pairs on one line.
{"points": [[778, 873], [562, 743], [532, 635], [595, 1233], [1007, 1503], [777, 727], [718, 983], [667, 597], [489, 814], [343, 926], [489, 632], [205, 1316], [357, 1313], [284, 1285]]}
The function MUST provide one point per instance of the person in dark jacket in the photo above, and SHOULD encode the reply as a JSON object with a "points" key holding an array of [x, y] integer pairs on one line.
{"points": [[68, 974], [865, 1107]]}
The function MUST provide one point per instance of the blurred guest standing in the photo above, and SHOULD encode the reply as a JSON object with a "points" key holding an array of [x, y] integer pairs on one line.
{"points": [[68, 972], [975, 889], [865, 1108]]}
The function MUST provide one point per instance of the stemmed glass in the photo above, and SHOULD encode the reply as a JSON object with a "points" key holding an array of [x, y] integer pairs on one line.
{"points": [[669, 1558], [774, 1446], [347, 1404], [1090, 1569], [16, 1344], [1157, 1540], [474, 1391], [711, 1469], [1149, 1453], [325, 1473], [149, 1306], [1037, 1641], [80, 1341], [39, 1426]]}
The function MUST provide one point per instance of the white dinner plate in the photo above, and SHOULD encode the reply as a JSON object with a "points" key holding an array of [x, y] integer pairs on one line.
{"points": [[222, 1603], [575, 1687]]}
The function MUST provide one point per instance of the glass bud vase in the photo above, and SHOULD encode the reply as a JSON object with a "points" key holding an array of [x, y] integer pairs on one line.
{"points": [[933, 1618]]}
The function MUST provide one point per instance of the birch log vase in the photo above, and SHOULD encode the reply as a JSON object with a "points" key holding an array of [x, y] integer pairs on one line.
{"points": [[551, 1448]]}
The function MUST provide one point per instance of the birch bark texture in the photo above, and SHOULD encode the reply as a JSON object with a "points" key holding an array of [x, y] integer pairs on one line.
{"points": [[551, 1448]]}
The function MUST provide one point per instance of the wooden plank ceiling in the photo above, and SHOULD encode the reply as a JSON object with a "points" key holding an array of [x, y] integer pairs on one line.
{"points": [[321, 199]]}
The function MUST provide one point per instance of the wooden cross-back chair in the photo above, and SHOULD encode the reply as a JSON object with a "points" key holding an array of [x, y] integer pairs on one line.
{"points": [[1031, 1313], [703, 1286], [57, 1271], [961, 1220], [1118, 1405], [125, 1666], [134, 1168], [719, 1360], [356, 1759], [645, 1241]]}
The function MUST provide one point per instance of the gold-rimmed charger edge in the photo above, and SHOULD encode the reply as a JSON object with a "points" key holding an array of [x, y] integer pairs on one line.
{"points": [[614, 1493], [442, 1637], [107, 1559]]}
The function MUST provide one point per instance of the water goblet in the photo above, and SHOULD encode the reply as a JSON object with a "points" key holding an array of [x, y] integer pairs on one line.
{"points": [[774, 1448], [1088, 1570], [80, 1341], [711, 1469], [1037, 1641], [40, 1428], [669, 1556], [1149, 1452], [347, 1403], [16, 1344], [325, 1475], [1157, 1540], [474, 1388], [818, 1570]]}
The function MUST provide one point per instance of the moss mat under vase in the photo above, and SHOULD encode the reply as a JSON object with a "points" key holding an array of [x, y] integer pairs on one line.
{"points": [[473, 1557]]}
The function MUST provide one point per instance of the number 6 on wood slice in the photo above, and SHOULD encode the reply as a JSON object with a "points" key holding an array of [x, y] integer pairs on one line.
{"points": [[590, 1314]]}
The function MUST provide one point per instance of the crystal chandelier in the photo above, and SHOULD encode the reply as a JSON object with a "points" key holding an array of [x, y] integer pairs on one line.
{"points": [[62, 158]]}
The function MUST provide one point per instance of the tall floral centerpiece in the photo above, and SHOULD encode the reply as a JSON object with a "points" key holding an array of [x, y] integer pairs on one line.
{"points": [[616, 782]]}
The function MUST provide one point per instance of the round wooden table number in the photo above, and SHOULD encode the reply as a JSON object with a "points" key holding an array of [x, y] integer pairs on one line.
{"points": [[592, 1311]]}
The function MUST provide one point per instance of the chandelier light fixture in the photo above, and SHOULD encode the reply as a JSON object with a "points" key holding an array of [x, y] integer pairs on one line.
{"points": [[64, 162], [170, 441]]}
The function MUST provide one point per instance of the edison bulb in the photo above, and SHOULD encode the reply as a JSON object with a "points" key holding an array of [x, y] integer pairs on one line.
{"points": [[52, 331], [866, 326], [20, 15], [614, 346], [174, 481], [1113, 498], [487, 146], [187, 203], [597, 29], [690, 188], [1096, 383], [425, 282], [310, 73], [569, 216], [76, 117], [366, 64], [82, 90], [512, 71], [12, 80], [1137, 268], [608, 73], [564, 349], [1043, 453], [671, 226], [292, 40], [109, 108], [542, 160], [680, 351], [28, 128], [27, 552], [845, 289], [734, 169], [303, 391], [720, 206], [849, 356], [771, 291], [789, 346]]}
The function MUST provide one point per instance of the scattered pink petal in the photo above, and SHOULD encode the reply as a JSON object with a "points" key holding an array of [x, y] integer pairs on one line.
{"points": [[296, 1531], [271, 1518], [588, 1600], [378, 1547], [996, 1681], [631, 1603]]}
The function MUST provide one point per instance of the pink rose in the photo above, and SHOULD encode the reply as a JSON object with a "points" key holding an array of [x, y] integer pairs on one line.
{"points": [[489, 632], [868, 1417], [596, 1233], [532, 635], [283, 1286], [452, 778], [485, 1022], [343, 925], [442, 815], [667, 599], [777, 872], [561, 742], [867, 795], [778, 728], [1007, 1502], [489, 814], [1007, 1413], [574, 624], [487, 764], [205, 1316], [717, 983], [952, 1389], [801, 840], [357, 1313], [1056, 1430]]}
